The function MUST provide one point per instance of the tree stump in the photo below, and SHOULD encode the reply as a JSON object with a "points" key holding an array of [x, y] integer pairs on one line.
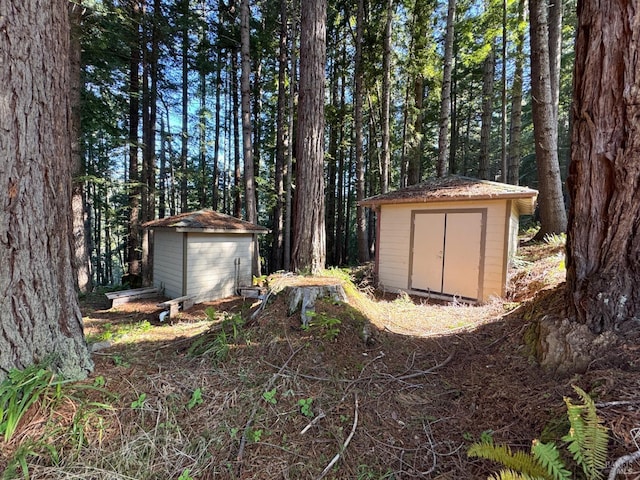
{"points": [[304, 298]]}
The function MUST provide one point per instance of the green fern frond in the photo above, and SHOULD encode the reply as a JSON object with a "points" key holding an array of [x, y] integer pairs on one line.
{"points": [[548, 456], [588, 437], [511, 475], [516, 461]]}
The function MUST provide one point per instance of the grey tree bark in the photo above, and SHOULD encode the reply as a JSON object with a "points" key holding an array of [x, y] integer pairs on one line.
{"points": [[553, 217], [82, 260], [309, 248], [41, 319]]}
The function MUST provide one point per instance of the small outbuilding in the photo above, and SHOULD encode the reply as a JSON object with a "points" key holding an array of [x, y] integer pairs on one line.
{"points": [[204, 255], [448, 237]]}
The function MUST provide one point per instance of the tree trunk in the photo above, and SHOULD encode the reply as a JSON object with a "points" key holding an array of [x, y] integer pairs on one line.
{"points": [[513, 157], [82, 261], [361, 223], [309, 240], [288, 176], [445, 102], [503, 98], [603, 242], [487, 112], [414, 172], [251, 209], [215, 191], [281, 145], [41, 319], [386, 101], [553, 217], [332, 155], [237, 174], [134, 244], [184, 138], [555, 51]]}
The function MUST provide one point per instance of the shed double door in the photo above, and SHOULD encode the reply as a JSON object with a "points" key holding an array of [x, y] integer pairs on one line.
{"points": [[447, 253]]}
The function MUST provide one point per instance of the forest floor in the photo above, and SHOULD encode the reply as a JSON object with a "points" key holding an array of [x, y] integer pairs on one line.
{"points": [[218, 394]]}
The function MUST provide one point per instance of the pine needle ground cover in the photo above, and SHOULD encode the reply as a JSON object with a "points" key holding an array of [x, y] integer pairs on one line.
{"points": [[218, 394]]}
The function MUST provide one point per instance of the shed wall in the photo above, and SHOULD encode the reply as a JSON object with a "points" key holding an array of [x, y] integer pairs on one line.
{"points": [[395, 238], [217, 264], [167, 262]]}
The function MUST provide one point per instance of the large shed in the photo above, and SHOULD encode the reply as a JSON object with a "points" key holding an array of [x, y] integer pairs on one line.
{"points": [[449, 237], [205, 254]]}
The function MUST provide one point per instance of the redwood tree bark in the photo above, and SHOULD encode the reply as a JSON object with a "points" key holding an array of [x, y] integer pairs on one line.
{"points": [[39, 309], [603, 242], [309, 249]]}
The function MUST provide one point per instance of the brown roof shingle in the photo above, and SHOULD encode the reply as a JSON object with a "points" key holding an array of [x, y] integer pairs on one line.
{"points": [[453, 187], [206, 220]]}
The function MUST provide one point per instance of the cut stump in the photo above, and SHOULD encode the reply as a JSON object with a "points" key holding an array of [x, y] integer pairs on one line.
{"points": [[304, 298]]}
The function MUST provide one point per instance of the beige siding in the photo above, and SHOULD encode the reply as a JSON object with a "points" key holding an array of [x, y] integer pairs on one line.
{"points": [[218, 264], [395, 240], [514, 225], [167, 262]]}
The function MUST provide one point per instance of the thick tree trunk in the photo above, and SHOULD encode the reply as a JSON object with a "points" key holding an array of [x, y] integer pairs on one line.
{"points": [[41, 319], [553, 216], [309, 240], [445, 101], [603, 244]]}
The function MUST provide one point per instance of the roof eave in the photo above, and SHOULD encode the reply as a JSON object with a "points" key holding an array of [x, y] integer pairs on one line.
{"points": [[506, 196]]}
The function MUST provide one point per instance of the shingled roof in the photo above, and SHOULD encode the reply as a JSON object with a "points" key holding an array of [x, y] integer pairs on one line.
{"points": [[206, 221], [453, 187]]}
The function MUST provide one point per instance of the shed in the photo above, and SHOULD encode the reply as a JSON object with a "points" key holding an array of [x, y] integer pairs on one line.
{"points": [[449, 237], [205, 254]]}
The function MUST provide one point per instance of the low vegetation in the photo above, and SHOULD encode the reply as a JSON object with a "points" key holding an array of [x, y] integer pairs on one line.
{"points": [[385, 387]]}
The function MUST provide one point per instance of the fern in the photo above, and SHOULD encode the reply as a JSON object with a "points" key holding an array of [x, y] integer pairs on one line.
{"points": [[586, 441], [548, 456], [511, 475], [519, 461], [587, 438]]}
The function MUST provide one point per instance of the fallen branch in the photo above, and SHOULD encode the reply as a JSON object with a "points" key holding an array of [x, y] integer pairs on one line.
{"points": [[346, 442], [617, 403], [427, 371], [319, 417], [622, 461]]}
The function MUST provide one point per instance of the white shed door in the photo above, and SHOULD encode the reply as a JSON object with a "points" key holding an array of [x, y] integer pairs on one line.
{"points": [[428, 251], [446, 253]]}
